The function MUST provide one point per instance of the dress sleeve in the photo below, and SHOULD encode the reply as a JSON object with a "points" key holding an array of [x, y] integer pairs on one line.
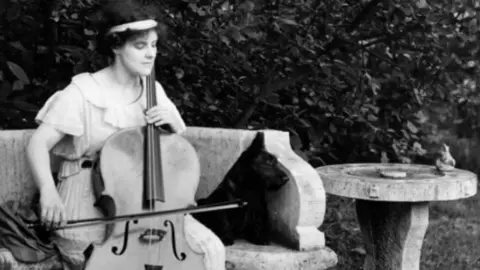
{"points": [[64, 111], [164, 100]]}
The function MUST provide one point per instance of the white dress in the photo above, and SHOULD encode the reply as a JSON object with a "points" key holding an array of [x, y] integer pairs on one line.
{"points": [[83, 112]]}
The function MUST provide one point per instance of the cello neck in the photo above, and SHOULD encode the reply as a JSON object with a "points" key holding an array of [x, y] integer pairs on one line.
{"points": [[153, 177]]}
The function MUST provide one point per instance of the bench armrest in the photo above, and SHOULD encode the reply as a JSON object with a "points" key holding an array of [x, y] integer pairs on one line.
{"points": [[297, 210]]}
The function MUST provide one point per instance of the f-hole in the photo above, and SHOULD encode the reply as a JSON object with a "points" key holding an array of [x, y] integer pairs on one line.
{"points": [[125, 239]]}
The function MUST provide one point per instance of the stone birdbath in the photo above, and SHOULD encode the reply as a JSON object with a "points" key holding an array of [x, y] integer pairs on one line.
{"points": [[392, 205]]}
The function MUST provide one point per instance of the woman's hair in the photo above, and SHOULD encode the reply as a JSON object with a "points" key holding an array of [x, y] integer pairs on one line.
{"points": [[116, 12]]}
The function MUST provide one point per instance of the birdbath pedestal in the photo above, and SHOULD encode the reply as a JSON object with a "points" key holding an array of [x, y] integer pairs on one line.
{"points": [[392, 205]]}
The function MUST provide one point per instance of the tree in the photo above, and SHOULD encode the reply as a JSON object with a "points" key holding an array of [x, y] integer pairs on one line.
{"points": [[349, 80]]}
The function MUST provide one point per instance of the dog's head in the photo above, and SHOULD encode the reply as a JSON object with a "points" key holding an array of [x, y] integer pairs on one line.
{"points": [[258, 169]]}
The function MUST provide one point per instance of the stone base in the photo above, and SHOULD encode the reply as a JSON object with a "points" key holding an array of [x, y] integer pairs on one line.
{"points": [[246, 256]]}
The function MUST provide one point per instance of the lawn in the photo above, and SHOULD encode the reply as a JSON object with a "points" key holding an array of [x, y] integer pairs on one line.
{"points": [[452, 241]]}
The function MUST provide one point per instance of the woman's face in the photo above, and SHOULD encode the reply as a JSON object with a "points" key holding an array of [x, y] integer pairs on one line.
{"points": [[138, 54]]}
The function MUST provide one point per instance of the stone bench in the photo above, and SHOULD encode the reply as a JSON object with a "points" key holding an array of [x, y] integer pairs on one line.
{"points": [[296, 211]]}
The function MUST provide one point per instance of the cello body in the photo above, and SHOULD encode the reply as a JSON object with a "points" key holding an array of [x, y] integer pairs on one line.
{"points": [[156, 243]]}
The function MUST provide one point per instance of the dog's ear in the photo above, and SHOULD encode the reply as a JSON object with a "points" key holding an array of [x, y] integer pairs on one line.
{"points": [[255, 148], [259, 141]]}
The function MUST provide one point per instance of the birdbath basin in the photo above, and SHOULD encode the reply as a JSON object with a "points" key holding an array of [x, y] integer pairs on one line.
{"points": [[392, 205]]}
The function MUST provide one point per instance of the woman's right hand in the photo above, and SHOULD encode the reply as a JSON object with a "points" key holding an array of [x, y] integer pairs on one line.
{"points": [[52, 208]]}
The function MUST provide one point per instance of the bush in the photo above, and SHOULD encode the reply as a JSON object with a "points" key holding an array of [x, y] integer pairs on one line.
{"points": [[350, 80]]}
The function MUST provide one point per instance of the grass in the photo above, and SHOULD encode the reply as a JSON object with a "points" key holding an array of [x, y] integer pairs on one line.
{"points": [[452, 241]]}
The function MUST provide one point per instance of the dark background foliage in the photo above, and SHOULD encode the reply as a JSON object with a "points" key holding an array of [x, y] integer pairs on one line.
{"points": [[352, 81]]}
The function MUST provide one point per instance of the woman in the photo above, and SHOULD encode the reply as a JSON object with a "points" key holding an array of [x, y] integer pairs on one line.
{"points": [[75, 122]]}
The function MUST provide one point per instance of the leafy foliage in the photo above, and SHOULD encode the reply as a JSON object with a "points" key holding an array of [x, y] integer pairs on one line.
{"points": [[350, 80]]}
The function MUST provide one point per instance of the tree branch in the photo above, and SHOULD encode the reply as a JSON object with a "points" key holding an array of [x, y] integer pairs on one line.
{"points": [[50, 32], [242, 119], [364, 13], [266, 90], [394, 36]]}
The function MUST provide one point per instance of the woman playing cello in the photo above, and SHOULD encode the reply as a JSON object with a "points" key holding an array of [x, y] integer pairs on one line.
{"points": [[74, 124]]}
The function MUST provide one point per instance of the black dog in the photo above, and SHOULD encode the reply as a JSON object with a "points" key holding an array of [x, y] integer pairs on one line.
{"points": [[255, 172]]}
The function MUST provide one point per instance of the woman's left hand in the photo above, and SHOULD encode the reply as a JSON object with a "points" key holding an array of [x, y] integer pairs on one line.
{"points": [[159, 116]]}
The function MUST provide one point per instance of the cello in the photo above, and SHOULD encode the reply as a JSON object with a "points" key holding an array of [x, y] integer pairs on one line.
{"points": [[156, 242]]}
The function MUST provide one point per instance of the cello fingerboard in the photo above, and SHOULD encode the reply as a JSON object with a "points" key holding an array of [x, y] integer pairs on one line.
{"points": [[153, 267]]}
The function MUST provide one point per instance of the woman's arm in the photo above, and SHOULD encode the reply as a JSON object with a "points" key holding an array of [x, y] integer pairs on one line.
{"points": [[178, 124], [51, 205], [176, 121], [38, 157]]}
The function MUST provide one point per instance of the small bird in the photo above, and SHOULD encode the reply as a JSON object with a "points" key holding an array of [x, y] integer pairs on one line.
{"points": [[384, 158], [445, 162]]}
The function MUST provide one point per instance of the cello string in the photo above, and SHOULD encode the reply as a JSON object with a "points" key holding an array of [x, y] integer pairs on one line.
{"points": [[157, 150], [152, 159], [152, 162], [153, 156], [158, 154], [149, 163], [153, 141]]}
